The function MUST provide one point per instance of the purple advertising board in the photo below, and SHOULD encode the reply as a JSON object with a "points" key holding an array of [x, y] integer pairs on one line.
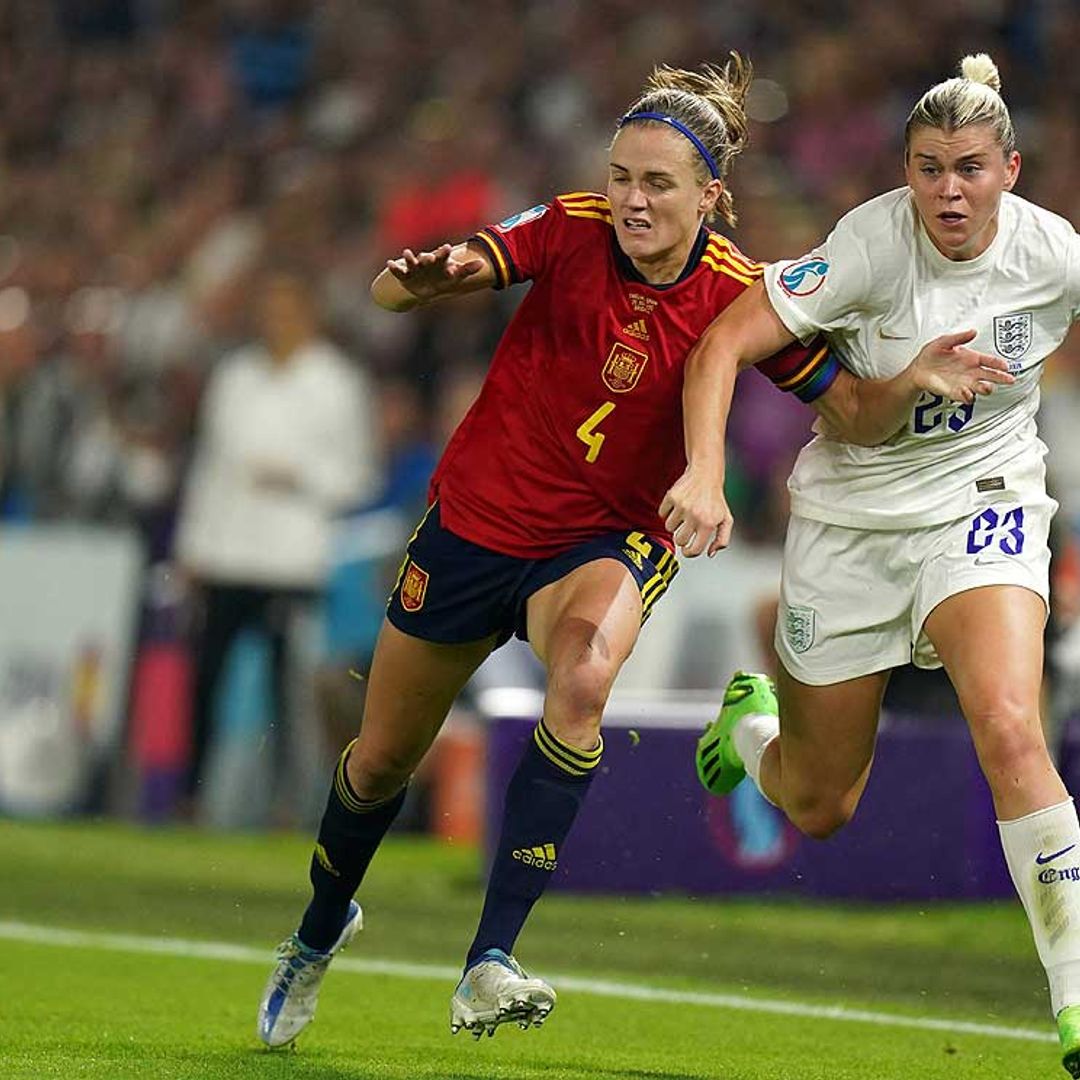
{"points": [[925, 828]]}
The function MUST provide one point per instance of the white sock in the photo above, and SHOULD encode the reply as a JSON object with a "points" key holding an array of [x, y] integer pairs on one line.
{"points": [[751, 736], [1043, 853]]}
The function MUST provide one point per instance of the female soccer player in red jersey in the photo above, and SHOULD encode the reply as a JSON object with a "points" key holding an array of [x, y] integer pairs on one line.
{"points": [[543, 518]]}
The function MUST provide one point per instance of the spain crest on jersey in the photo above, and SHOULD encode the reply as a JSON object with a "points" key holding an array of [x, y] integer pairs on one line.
{"points": [[414, 588], [1012, 334], [623, 368]]}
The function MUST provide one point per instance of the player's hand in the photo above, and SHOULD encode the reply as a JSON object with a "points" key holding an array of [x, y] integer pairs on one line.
{"points": [[944, 367], [697, 515], [429, 274]]}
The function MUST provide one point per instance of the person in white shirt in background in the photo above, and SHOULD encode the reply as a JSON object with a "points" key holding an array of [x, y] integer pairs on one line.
{"points": [[286, 441], [933, 545]]}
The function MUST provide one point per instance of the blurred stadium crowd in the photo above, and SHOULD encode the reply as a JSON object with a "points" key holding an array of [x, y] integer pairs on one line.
{"points": [[158, 156]]}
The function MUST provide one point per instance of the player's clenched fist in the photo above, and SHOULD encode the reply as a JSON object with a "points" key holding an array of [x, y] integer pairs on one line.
{"points": [[697, 515]]}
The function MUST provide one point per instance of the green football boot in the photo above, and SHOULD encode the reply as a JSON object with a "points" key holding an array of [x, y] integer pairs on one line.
{"points": [[1068, 1021], [719, 766]]}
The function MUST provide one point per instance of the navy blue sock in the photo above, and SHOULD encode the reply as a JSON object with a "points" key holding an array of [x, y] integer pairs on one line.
{"points": [[542, 801], [349, 834]]}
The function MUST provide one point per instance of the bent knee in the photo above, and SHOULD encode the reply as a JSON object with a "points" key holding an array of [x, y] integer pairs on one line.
{"points": [[1015, 765], [820, 817], [1008, 742], [579, 690]]}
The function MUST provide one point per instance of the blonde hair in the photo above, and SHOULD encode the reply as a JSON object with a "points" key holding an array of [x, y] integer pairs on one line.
{"points": [[710, 103], [974, 97]]}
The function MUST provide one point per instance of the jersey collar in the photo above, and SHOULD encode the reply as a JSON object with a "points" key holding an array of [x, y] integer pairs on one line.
{"points": [[628, 270]]}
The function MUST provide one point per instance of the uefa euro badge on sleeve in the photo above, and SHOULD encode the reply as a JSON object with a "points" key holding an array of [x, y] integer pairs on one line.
{"points": [[515, 220], [804, 277]]}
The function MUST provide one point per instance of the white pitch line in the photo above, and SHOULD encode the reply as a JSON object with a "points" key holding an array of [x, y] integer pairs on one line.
{"points": [[241, 954]]}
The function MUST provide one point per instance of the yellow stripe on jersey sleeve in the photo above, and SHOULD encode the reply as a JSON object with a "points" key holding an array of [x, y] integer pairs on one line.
{"points": [[586, 204], [728, 268], [721, 246], [585, 198], [502, 268], [724, 252], [589, 214]]}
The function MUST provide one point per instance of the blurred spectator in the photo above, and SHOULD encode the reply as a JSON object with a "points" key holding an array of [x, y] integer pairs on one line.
{"points": [[366, 555], [367, 551], [68, 446], [286, 441], [411, 451], [18, 357], [271, 52]]}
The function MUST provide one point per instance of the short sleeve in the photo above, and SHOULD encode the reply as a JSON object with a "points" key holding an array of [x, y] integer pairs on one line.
{"points": [[823, 289], [520, 246], [1072, 276]]}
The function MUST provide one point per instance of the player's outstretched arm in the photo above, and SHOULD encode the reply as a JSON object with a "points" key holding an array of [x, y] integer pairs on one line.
{"points": [[694, 508], [869, 411], [416, 278]]}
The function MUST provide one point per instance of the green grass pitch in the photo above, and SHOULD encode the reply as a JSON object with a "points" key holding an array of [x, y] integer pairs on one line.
{"points": [[651, 988]]}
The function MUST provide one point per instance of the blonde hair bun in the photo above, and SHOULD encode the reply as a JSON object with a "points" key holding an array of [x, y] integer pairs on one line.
{"points": [[974, 97], [979, 68]]}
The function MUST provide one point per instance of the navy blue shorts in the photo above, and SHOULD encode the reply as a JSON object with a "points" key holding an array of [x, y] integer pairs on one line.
{"points": [[450, 590]]}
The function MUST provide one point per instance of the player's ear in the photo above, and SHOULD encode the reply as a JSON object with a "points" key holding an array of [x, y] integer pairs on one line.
{"points": [[710, 196], [1012, 169]]}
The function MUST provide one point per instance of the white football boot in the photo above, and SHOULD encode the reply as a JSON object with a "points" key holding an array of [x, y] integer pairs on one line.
{"points": [[292, 992], [494, 990]]}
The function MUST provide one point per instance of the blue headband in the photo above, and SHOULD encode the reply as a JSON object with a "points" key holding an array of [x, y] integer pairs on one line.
{"points": [[680, 127]]}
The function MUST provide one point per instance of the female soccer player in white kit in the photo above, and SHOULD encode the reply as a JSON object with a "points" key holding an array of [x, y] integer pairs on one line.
{"points": [[932, 546]]}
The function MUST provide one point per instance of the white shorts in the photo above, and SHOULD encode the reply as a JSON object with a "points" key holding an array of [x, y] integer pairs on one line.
{"points": [[854, 601]]}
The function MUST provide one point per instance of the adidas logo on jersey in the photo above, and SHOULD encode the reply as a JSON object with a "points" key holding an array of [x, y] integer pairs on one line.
{"points": [[542, 857], [637, 329]]}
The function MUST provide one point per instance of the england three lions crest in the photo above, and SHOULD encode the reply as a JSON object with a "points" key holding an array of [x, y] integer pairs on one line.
{"points": [[1012, 334], [623, 368], [799, 627]]}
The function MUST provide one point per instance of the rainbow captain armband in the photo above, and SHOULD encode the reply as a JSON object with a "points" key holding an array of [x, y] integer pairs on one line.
{"points": [[805, 372]]}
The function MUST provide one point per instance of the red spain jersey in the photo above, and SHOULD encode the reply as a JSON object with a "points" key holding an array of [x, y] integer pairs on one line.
{"points": [[578, 429]]}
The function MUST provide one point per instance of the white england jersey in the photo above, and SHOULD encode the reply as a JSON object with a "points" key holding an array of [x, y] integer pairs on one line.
{"points": [[880, 290]]}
